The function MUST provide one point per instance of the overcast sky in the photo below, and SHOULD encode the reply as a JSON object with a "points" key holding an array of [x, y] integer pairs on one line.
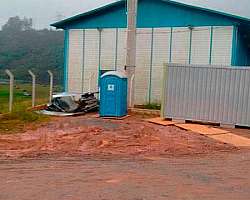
{"points": [[45, 12]]}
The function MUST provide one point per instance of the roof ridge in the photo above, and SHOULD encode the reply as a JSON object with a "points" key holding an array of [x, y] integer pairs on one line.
{"points": [[115, 3]]}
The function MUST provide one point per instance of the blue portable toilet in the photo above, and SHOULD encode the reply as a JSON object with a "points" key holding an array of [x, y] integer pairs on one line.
{"points": [[113, 94]]}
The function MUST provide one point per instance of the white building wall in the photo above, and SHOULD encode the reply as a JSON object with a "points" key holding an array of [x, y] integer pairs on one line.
{"points": [[161, 53], [121, 48], [180, 45], [75, 65], [143, 52], [108, 48], [84, 55], [222, 45], [91, 61], [200, 50]]}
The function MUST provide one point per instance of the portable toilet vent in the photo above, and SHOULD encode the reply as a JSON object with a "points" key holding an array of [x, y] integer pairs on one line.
{"points": [[113, 94]]}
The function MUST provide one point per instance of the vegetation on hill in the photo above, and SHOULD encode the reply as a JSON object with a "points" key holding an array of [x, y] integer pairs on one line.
{"points": [[23, 48]]}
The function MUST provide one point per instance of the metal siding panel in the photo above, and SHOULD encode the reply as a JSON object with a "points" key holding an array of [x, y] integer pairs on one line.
{"points": [[200, 45], [180, 46], [168, 99], [75, 61], [108, 49], [222, 45], [241, 95], [160, 56], [246, 101], [186, 92], [142, 65], [91, 59], [212, 94]]}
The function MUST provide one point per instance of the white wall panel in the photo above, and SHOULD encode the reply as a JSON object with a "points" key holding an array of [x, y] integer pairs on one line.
{"points": [[200, 51], [221, 55], [91, 59], [121, 49], [142, 65], [180, 45], [108, 48], [222, 45], [75, 64], [161, 47]]}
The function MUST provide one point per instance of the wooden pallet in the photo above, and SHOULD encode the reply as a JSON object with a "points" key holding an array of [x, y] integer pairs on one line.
{"points": [[160, 121]]}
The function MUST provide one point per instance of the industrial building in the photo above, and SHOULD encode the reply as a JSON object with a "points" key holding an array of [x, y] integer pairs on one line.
{"points": [[168, 32]]}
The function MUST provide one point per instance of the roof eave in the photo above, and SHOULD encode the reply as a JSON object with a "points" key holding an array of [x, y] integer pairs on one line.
{"points": [[61, 24]]}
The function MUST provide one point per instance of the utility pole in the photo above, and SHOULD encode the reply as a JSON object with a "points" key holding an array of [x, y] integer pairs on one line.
{"points": [[131, 48]]}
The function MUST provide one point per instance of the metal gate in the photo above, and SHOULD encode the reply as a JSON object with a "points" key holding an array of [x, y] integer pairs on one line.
{"points": [[217, 94]]}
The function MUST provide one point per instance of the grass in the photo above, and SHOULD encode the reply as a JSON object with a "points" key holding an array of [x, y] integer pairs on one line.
{"points": [[19, 121], [151, 106], [20, 100], [20, 118]]}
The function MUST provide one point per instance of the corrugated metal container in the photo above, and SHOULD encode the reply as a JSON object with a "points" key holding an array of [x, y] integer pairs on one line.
{"points": [[207, 93], [113, 94]]}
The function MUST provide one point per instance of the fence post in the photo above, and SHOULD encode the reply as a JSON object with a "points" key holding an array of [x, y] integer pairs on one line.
{"points": [[11, 76], [33, 87], [51, 85]]}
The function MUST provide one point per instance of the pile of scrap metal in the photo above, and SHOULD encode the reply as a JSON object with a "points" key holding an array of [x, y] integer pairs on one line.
{"points": [[67, 104]]}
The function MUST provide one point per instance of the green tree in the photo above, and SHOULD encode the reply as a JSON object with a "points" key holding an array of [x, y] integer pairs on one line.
{"points": [[15, 24], [30, 49]]}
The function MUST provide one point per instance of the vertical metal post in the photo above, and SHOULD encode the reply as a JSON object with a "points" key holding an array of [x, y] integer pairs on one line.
{"points": [[190, 44], [33, 87], [170, 45], [116, 47], [51, 85], [11, 76], [131, 47], [151, 66], [211, 44], [99, 55], [66, 60], [83, 60]]}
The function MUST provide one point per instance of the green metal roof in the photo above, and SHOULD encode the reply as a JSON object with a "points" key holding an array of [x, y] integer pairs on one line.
{"points": [[62, 23]]}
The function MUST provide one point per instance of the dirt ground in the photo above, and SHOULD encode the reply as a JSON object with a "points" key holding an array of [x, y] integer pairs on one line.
{"points": [[221, 176], [89, 135], [88, 158]]}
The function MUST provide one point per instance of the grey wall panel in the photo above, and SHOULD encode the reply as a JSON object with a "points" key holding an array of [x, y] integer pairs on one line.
{"points": [[208, 93]]}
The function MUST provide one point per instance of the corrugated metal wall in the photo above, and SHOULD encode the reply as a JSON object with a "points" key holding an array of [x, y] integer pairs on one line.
{"points": [[207, 93], [91, 50]]}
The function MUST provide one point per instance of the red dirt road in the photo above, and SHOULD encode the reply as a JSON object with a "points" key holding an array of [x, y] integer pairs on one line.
{"points": [[216, 177], [88, 135]]}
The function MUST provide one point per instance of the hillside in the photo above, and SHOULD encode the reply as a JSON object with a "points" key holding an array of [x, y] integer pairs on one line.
{"points": [[38, 50]]}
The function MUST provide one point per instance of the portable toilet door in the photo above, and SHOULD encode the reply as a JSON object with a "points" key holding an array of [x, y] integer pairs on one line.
{"points": [[113, 94]]}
